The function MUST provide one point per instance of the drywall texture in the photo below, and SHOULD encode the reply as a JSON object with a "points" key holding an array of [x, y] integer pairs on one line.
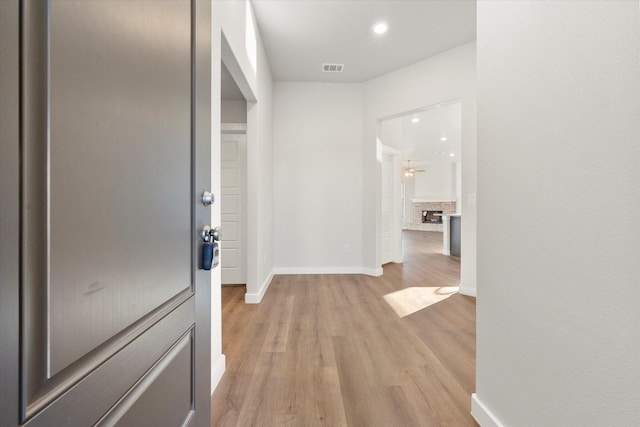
{"points": [[558, 314], [448, 76], [318, 175]]}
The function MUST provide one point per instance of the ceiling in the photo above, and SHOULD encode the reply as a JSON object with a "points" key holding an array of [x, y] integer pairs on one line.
{"points": [[421, 142], [299, 36]]}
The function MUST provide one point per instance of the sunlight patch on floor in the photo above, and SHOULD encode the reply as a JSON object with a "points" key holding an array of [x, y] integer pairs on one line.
{"points": [[409, 300]]}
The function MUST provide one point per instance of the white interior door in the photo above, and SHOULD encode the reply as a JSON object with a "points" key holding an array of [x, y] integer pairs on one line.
{"points": [[387, 209], [233, 173]]}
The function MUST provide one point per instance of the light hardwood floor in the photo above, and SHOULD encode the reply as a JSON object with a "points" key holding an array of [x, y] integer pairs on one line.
{"points": [[328, 350]]}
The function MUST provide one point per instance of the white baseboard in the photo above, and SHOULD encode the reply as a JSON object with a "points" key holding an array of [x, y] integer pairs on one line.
{"points": [[217, 371], [482, 414], [329, 270], [467, 290], [257, 297], [318, 270], [372, 271]]}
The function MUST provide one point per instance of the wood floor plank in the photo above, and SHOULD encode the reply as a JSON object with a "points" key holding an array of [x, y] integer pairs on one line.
{"points": [[231, 393], [266, 393], [361, 408], [330, 350], [317, 399], [278, 333]]}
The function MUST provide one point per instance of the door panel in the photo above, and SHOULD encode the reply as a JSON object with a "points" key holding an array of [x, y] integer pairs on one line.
{"points": [[115, 151], [163, 396], [230, 177], [95, 394], [229, 148], [232, 230], [230, 204], [139, 127]]}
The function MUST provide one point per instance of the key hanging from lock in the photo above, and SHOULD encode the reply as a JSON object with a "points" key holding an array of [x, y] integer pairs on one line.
{"points": [[207, 252], [210, 248]]}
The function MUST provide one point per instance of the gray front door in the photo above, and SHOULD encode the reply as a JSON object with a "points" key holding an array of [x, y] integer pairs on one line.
{"points": [[105, 150]]}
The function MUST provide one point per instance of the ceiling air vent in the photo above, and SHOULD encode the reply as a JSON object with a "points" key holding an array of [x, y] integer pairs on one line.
{"points": [[332, 68]]}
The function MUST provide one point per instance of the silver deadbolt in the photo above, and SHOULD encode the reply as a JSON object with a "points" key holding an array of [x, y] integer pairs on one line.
{"points": [[207, 198], [211, 234]]}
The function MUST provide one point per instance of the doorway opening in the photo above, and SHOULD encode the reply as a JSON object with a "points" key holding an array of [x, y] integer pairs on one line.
{"points": [[421, 200], [233, 181]]}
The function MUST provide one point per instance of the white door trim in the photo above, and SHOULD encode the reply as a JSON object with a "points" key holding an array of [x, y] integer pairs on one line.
{"points": [[233, 128], [397, 212]]}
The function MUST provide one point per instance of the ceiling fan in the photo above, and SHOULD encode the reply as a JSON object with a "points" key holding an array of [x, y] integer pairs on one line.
{"points": [[409, 171]]}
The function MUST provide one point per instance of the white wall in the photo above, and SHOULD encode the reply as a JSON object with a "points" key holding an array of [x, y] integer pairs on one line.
{"points": [[436, 183], [450, 75], [391, 133], [263, 188], [230, 20], [318, 177], [558, 314], [408, 204], [233, 111], [317, 127]]}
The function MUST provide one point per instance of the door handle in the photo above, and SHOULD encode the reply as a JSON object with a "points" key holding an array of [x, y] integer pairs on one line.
{"points": [[216, 233]]}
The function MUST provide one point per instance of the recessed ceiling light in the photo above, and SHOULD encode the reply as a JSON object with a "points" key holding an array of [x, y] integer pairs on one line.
{"points": [[380, 28], [440, 152], [444, 138], [415, 120], [451, 155]]}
